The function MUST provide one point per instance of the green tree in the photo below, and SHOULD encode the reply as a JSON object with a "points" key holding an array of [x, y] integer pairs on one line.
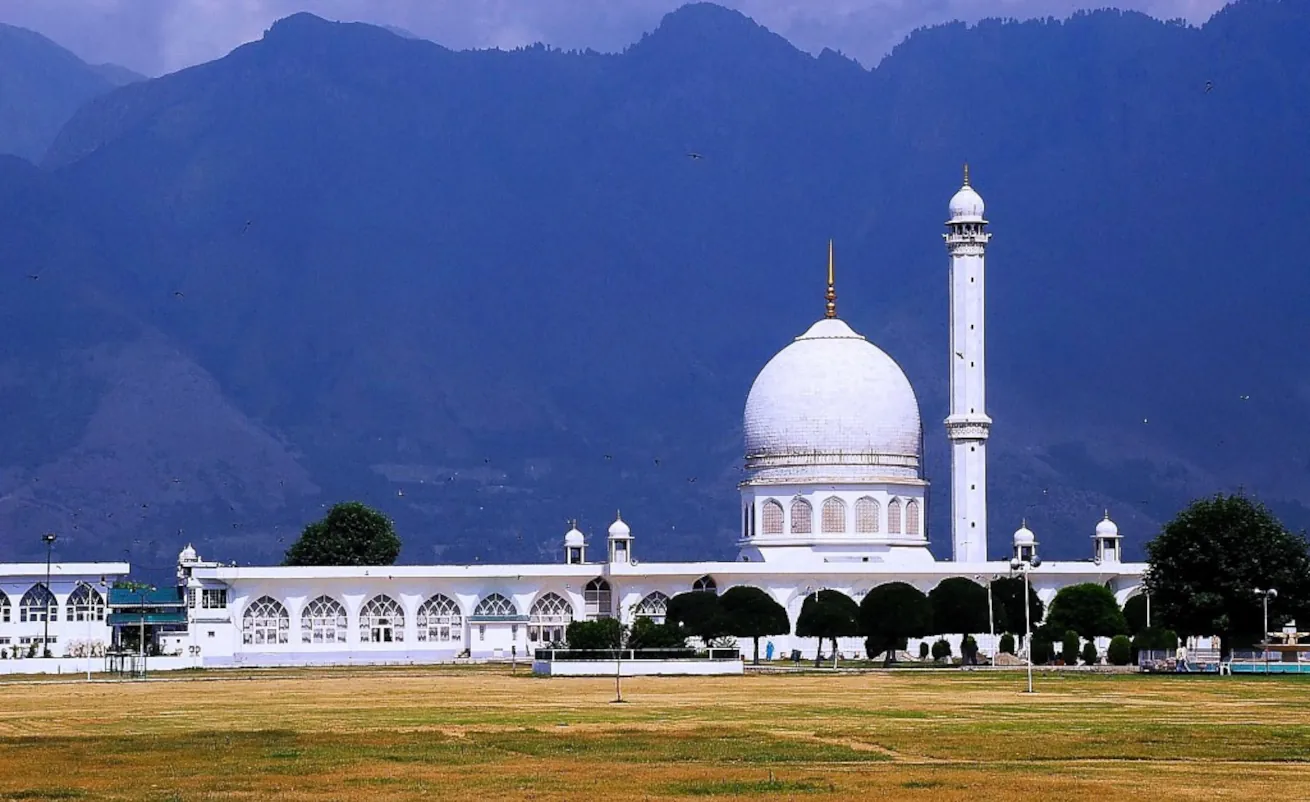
{"points": [[890, 614], [350, 534], [1088, 609], [1069, 647], [1043, 644], [1007, 643], [1007, 605], [941, 649], [646, 634], [1120, 652], [923, 650], [698, 614], [958, 605], [605, 633], [828, 614], [1154, 639], [1135, 613], [1208, 561], [752, 613], [1089, 655]]}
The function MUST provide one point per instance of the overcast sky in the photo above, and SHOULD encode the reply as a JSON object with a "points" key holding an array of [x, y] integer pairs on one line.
{"points": [[158, 36]]}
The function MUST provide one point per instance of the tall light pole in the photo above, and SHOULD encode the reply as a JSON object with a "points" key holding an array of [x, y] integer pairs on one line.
{"points": [[1023, 567], [49, 539], [1265, 596]]}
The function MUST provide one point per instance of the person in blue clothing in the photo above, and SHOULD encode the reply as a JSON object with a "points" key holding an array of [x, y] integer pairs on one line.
{"points": [[768, 651]]}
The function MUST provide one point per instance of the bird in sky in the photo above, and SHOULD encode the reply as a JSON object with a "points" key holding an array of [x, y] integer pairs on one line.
{"points": [[1208, 86], [694, 156], [1245, 398], [960, 355], [178, 294], [33, 276]]}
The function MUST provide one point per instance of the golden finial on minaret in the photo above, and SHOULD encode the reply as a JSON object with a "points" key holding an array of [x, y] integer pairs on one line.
{"points": [[966, 174], [832, 288]]}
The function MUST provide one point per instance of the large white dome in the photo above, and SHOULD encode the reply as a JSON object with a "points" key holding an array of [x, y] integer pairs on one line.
{"points": [[832, 405]]}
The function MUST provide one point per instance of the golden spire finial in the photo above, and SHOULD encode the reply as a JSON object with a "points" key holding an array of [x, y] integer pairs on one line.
{"points": [[966, 174], [832, 288]]}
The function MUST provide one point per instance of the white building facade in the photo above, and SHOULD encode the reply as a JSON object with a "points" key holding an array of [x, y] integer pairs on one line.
{"points": [[833, 498], [69, 615]]}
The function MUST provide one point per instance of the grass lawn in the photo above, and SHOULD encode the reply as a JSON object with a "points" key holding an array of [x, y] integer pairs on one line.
{"points": [[486, 734]]}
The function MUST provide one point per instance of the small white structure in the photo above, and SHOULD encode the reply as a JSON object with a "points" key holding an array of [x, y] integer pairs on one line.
{"points": [[833, 497]]}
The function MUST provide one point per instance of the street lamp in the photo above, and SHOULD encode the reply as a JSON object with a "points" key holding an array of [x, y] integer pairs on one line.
{"points": [[1023, 567], [1266, 595], [49, 539]]}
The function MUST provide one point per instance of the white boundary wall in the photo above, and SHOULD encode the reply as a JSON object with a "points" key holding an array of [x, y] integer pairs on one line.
{"points": [[637, 668]]}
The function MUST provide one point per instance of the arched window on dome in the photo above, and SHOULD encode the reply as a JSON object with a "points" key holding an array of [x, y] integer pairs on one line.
{"points": [[705, 584], [549, 617], [439, 620], [867, 512], [265, 622], [834, 516], [772, 517], [894, 516], [382, 620], [802, 517], [4, 608], [655, 606], [912, 517], [323, 620], [85, 604], [597, 600], [38, 603]]}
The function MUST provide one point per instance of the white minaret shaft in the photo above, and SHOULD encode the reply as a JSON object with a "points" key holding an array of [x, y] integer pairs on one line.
{"points": [[967, 425]]}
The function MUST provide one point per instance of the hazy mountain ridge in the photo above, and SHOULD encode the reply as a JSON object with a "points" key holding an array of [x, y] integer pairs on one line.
{"points": [[488, 291], [41, 85]]}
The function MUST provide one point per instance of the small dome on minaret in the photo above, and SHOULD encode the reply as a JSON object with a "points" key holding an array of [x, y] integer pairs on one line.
{"points": [[1023, 536], [574, 537], [966, 205], [1107, 528], [619, 528]]}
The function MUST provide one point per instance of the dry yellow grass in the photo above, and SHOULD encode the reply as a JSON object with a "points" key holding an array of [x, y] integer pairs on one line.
{"points": [[460, 734]]}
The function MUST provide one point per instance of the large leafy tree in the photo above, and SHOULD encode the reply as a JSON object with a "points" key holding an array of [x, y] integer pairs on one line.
{"points": [[828, 614], [892, 613], [350, 534], [698, 614], [1207, 563], [1007, 605], [1135, 613], [1088, 609], [752, 613], [959, 605]]}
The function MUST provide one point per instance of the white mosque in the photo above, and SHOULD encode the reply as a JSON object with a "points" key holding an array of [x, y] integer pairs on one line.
{"points": [[833, 498]]}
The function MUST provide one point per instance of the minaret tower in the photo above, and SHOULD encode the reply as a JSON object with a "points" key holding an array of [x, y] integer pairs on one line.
{"points": [[968, 424]]}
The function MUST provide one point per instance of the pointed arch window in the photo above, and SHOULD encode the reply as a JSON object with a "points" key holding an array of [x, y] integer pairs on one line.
{"points": [[4, 608], [802, 517], [265, 623], [85, 604], [894, 516], [38, 604], [549, 617], [705, 584], [912, 516], [382, 620], [495, 605], [654, 606], [597, 600], [772, 517], [439, 620], [867, 512], [834, 516], [323, 620]]}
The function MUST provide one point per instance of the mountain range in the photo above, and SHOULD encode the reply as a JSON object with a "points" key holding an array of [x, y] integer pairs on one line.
{"points": [[489, 292]]}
